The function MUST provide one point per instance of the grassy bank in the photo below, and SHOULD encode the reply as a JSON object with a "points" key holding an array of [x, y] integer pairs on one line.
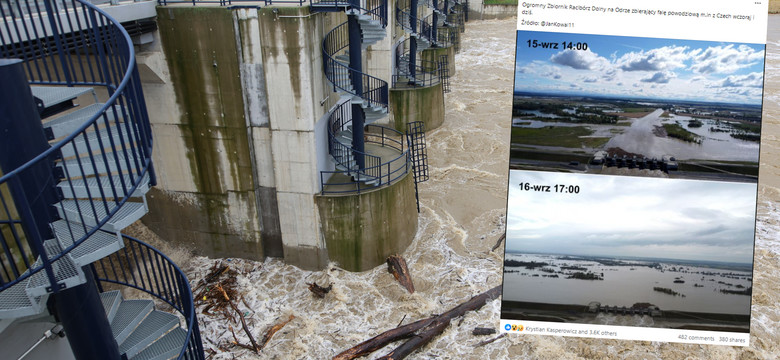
{"points": [[774, 6], [678, 132], [571, 137]]}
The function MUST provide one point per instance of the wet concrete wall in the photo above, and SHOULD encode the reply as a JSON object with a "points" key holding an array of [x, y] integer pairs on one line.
{"points": [[363, 230], [480, 11], [418, 104], [435, 55], [237, 98], [206, 195]]}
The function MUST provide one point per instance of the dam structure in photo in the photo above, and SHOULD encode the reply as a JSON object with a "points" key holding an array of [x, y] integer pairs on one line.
{"points": [[639, 137]]}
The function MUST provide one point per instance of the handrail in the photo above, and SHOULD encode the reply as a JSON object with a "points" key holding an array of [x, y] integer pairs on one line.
{"points": [[375, 90], [234, 2], [375, 170], [99, 52], [423, 28], [376, 8], [426, 72], [142, 267], [429, 4], [339, 120], [446, 37]]}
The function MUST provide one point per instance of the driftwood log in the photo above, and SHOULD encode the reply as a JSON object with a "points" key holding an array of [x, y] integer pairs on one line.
{"points": [[396, 265], [483, 343], [421, 331], [272, 330], [498, 242], [483, 331], [319, 291], [243, 322]]}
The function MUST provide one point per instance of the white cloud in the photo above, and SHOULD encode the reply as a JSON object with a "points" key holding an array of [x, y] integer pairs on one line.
{"points": [[754, 80], [580, 60], [725, 59], [661, 77], [664, 58]]}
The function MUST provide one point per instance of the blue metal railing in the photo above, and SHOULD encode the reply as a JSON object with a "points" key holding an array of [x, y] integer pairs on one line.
{"points": [[375, 90], [376, 171], [447, 36], [417, 26], [86, 47], [236, 2], [73, 43], [420, 28], [142, 267], [339, 120], [377, 9], [426, 72], [374, 96]]}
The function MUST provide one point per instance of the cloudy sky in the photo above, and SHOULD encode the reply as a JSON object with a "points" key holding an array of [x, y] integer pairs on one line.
{"points": [[632, 216], [641, 67]]}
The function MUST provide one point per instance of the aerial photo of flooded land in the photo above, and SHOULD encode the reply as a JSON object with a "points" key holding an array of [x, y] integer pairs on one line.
{"points": [[617, 250], [637, 106]]}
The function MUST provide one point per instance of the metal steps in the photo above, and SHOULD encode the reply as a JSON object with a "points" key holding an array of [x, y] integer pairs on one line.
{"points": [[141, 331], [103, 169], [83, 211], [117, 162], [111, 186], [129, 314], [166, 347], [423, 43], [16, 303], [372, 32], [154, 325], [67, 274], [55, 95], [68, 123], [111, 301], [97, 246], [94, 141], [28, 297], [371, 29], [55, 99], [78, 213]]}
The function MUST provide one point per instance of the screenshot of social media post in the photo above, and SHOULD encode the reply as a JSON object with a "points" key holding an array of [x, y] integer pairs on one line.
{"points": [[633, 170]]}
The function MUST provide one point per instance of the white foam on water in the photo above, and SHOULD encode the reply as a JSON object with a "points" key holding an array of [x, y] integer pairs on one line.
{"points": [[462, 215]]}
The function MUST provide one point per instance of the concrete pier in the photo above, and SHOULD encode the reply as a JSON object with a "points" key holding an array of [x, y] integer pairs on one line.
{"points": [[239, 103]]}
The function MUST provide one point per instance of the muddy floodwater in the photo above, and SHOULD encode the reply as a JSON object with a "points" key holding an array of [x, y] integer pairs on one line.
{"points": [[462, 215], [695, 288], [638, 138]]}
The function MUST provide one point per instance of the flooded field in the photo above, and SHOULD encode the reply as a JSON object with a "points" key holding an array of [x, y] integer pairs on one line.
{"points": [[625, 282], [637, 138]]}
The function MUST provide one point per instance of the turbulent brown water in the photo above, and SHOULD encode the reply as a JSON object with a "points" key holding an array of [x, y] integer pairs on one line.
{"points": [[462, 216]]}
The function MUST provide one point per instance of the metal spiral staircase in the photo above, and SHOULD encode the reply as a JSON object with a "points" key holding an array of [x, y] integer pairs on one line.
{"points": [[350, 82], [421, 29], [368, 155], [411, 69], [420, 74], [71, 183]]}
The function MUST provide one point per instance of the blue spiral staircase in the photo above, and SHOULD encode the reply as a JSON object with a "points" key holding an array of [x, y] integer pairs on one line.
{"points": [[73, 176], [366, 155], [411, 69]]}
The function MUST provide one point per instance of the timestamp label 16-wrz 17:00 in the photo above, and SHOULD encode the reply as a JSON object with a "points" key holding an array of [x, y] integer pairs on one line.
{"points": [[555, 188]]}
